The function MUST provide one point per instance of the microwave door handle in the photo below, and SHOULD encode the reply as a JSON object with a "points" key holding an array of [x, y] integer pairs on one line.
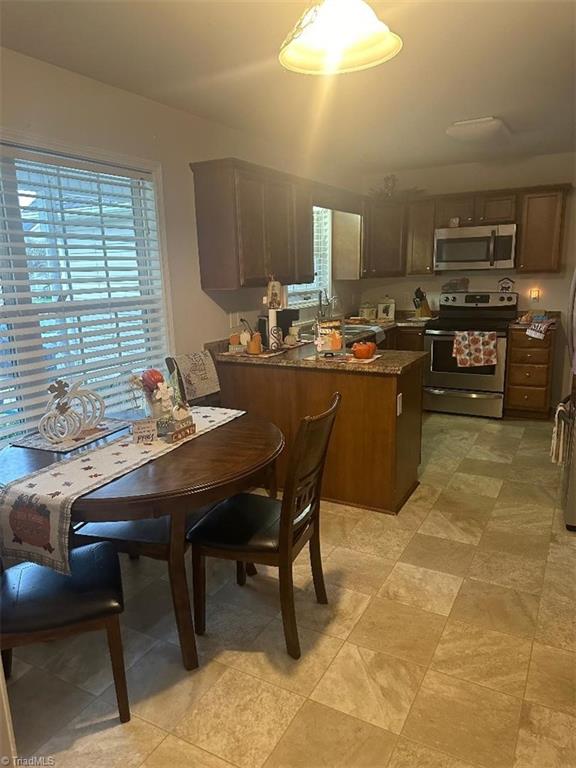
{"points": [[492, 247]]}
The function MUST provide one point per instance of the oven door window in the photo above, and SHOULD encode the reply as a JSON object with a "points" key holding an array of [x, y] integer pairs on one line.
{"points": [[443, 362]]}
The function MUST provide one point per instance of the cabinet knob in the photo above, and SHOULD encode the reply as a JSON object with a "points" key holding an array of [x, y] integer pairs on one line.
{"points": [[427, 269], [481, 218], [527, 375], [528, 355], [521, 266], [469, 218], [525, 397]]}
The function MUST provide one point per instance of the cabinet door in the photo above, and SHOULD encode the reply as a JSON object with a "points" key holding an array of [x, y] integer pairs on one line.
{"points": [[383, 240], [280, 246], [420, 238], [304, 236], [540, 231], [411, 339], [495, 209], [346, 243], [252, 251], [454, 208]]}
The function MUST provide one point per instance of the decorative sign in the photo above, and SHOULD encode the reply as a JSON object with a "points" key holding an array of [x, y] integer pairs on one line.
{"points": [[144, 431]]}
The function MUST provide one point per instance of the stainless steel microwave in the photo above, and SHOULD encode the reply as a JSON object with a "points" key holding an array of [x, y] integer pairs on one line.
{"points": [[485, 247]]}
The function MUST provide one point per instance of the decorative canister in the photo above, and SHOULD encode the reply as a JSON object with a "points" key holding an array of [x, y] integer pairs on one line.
{"points": [[368, 310]]}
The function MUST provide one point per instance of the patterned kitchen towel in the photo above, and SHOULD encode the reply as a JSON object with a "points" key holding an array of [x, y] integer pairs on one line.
{"points": [[475, 348], [35, 510]]}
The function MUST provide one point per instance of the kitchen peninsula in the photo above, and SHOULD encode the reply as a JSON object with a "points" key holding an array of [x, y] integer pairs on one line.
{"points": [[375, 448]]}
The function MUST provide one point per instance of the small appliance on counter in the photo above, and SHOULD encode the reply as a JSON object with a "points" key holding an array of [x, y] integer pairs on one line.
{"points": [[284, 318], [477, 390]]}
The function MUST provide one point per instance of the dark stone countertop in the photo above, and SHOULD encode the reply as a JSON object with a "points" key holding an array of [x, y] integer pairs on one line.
{"points": [[391, 363]]}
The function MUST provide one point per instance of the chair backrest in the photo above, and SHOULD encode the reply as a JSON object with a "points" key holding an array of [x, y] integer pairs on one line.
{"points": [[301, 498], [195, 375]]}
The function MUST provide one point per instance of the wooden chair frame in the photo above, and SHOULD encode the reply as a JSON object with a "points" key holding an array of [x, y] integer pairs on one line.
{"points": [[112, 626], [299, 525]]}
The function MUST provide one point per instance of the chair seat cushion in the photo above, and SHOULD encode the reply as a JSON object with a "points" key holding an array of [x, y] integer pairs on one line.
{"points": [[36, 598], [245, 521], [153, 530]]}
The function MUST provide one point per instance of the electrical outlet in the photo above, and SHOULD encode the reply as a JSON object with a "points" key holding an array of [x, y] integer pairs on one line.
{"points": [[234, 318], [399, 404]]}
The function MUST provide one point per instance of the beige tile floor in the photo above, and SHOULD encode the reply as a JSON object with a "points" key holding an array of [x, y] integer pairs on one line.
{"points": [[449, 640]]}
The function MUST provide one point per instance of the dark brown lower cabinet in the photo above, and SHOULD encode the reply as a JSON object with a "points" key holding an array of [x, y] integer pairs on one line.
{"points": [[529, 375], [410, 339]]}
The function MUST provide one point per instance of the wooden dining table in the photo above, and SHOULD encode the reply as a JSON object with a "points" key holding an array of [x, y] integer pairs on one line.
{"points": [[205, 470]]}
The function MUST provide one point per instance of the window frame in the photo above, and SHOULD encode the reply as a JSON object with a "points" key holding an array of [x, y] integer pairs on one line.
{"points": [[45, 151], [296, 291]]}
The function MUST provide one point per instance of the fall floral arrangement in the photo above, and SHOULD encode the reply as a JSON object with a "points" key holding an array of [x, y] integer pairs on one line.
{"points": [[158, 394]]}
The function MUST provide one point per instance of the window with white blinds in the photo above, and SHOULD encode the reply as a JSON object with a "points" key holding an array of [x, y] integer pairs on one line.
{"points": [[81, 286]]}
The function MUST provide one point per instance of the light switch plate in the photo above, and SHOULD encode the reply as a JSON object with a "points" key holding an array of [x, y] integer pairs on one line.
{"points": [[399, 404]]}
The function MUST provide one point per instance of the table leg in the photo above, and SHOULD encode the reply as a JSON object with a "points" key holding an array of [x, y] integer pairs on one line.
{"points": [[179, 588]]}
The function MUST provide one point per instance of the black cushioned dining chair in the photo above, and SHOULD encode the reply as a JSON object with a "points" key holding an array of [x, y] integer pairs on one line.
{"points": [[40, 604], [257, 529]]}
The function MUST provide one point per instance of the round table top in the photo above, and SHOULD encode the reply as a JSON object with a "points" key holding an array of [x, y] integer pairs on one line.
{"points": [[196, 471]]}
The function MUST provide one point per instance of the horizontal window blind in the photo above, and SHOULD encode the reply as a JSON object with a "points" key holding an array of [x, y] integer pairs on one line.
{"points": [[81, 285], [305, 295]]}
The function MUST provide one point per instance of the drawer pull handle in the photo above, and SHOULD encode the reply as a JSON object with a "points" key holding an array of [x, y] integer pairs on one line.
{"points": [[528, 355], [527, 375]]}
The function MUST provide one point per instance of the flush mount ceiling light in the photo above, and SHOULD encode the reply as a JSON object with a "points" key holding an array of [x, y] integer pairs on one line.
{"points": [[481, 129], [335, 36]]}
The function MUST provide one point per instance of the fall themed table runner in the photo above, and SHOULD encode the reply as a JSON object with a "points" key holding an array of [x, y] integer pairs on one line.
{"points": [[35, 510]]}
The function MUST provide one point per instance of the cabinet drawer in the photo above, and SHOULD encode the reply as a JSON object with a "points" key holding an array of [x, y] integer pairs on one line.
{"points": [[519, 339], [528, 375], [529, 356], [527, 398]]}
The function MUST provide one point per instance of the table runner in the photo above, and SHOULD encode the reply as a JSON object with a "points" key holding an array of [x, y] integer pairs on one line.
{"points": [[35, 510]]}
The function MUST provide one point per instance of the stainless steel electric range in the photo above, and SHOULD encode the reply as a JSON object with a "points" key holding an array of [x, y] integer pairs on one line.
{"points": [[478, 390]]}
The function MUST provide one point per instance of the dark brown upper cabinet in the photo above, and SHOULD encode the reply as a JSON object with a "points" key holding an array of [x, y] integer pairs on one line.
{"points": [[304, 234], [420, 238], [252, 222], [495, 208], [383, 239], [459, 207], [540, 230], [251, 212]]}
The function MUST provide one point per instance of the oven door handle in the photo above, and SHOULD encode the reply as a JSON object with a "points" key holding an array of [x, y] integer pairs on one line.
{"points": [[492, 247], [468, 395], [451, 334]]}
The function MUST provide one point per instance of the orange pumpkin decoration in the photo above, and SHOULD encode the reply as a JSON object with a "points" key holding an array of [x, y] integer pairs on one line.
{"points": [[363, 350]]}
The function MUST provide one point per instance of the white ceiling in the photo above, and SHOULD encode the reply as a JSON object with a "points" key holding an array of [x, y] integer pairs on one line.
{"points": [[461, 59]]}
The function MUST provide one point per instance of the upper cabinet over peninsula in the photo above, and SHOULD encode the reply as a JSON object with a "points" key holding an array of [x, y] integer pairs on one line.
{"points": [[252, 222]]}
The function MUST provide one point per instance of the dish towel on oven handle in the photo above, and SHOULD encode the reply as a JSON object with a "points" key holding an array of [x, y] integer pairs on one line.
{"points": [[475, 348], [35, 511]]}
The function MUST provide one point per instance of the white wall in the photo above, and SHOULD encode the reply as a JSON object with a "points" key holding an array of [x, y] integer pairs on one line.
{"points": [[542, 169], [56, 106]]}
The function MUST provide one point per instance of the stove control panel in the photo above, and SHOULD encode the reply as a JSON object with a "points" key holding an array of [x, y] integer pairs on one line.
{"points": [[488, 299]]}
